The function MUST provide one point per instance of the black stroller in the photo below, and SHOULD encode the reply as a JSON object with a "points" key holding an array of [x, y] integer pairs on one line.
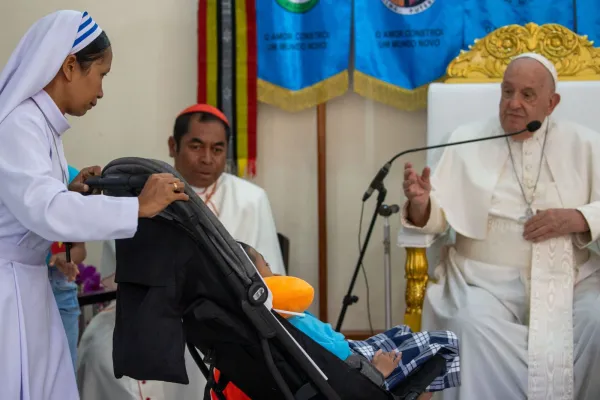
{"points": [[183, 280]]}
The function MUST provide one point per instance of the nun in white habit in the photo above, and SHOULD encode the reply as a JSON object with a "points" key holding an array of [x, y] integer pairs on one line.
{"points": [[56, 69]]}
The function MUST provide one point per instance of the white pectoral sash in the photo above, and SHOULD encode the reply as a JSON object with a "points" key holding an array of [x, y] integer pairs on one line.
{"points": [[550, 347]]}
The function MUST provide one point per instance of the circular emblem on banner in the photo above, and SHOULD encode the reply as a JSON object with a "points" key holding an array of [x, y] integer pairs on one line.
{"points": [[297, 6], [408, 7]]}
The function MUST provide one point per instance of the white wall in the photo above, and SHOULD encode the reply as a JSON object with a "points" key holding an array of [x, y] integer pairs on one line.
{"points": [[154, 77]]}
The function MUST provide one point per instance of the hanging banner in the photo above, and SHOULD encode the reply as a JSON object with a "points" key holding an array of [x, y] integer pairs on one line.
{"points": [[588, 19], [303, 51], [402, 46], [484, 16], [227, 73]]}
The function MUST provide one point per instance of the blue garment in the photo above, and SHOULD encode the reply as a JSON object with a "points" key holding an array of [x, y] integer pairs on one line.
{"points": [[323, 334], [65, 293]]}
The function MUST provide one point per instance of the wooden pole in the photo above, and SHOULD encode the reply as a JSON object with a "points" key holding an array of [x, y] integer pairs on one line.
{"points": [[322, 206]]}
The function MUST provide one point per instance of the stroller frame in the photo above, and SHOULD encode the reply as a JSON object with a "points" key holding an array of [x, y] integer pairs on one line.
{"points": [[275, 333]]}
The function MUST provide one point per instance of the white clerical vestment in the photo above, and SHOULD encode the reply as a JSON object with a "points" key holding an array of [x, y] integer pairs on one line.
{"points": [[244, 210], [527, 314]]}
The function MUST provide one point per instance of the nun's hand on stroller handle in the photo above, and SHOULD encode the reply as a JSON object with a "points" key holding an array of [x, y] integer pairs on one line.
{"points": [[78, 183], [159, 191]]}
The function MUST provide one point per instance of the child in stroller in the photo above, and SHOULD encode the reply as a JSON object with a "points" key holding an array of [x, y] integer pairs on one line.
{"points": [[378, 358]]}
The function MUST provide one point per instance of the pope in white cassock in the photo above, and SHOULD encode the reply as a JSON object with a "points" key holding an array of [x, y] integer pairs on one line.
{"points": [[199, 148], [56, 69], [519, 286]]}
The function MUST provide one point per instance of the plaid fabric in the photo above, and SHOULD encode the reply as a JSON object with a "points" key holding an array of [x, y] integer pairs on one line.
{"points": [[416, 349]]}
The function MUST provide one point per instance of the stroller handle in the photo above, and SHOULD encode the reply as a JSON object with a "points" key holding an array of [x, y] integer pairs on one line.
{"points": [[127, 182]]}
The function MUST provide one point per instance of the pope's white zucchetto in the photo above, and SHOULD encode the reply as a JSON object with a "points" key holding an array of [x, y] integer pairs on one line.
{"points": [[542, 60]]}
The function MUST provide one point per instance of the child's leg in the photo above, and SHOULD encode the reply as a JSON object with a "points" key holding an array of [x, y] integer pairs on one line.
{"points": [[68, 306], [70, 319]]}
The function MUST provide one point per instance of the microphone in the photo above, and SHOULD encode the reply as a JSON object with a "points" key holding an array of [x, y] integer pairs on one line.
{"points": [[377, 182], [117, 181]]}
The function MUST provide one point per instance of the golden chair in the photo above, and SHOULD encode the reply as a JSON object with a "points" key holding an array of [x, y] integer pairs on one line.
{"points": [[471, 90]]}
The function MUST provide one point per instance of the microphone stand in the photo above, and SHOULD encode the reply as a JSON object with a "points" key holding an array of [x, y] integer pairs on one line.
{"points": [[385, 211], [350, 299]]}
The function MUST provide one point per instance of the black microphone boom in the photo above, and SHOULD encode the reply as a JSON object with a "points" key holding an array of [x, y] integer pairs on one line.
{"points": [[531, 127], [378, 180], [377, 184]]}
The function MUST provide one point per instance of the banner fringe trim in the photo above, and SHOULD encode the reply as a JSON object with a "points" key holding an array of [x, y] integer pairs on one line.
{"points": [[298, 100], [391, 95]]}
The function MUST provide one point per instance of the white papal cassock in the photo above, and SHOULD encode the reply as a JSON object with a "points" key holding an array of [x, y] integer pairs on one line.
{"points": [[36, 209], [244, 210], [528, 315]]}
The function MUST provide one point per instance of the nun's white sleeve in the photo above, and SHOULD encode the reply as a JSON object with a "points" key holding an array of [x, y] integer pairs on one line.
{"points": [[42, 203]]}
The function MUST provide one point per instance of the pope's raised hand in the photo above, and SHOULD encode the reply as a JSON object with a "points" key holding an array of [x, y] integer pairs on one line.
{"points": [[417, 187]]}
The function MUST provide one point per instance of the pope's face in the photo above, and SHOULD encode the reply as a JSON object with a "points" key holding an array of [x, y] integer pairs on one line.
{"points": [[527, 95]]}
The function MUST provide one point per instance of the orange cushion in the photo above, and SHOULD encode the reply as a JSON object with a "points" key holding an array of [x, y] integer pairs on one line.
{"points": [[290, 294]]}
